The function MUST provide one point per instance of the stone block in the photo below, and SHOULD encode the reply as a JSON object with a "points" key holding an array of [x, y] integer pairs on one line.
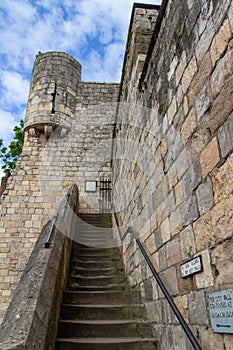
{"points": [[158, 239], [198, 308], [192, 178], [209, 157], [172, 176], [182, 163], [225, 136], [187, 243], [162, 258], [181, 67], [169, 279], [222, 72], [165, 231], [222, 220], [222, 259], [155, 261], [222, 180], [220, 42], [219, 114], [203, 72], [173, 251], [189, 210], [179, 193], [175, 222], [205, 196], [228, 341], [182, 304], [202, 102], [205, 279], [189, 125], [203, 232], [189, 74]]}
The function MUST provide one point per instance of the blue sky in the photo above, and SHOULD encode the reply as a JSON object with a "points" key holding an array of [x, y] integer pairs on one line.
{"points": [[92, 31]]}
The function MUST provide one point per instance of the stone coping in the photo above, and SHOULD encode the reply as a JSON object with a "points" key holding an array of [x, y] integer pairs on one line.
{"points": [[31, 318]]}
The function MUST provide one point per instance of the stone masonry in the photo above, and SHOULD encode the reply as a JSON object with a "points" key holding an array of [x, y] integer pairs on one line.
{"points": [[170, 160], [67, 141], [173, 163]]}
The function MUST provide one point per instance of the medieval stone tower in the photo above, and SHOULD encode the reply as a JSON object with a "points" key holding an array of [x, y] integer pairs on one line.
{"points": [[161, 141]]}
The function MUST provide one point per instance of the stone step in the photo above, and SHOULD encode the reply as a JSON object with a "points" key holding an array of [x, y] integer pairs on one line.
{"points": [[93, 264], [95, 280], [97, 242], [110, 287], [109, 271], [98, 220], [98, 310], [91, 250], [86, 257], [101, 297], [128, 343], [103, 328], [102, 312]]}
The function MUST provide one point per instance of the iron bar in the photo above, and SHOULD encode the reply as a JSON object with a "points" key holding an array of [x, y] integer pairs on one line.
{"points": [[47, 243], [167, 295]]}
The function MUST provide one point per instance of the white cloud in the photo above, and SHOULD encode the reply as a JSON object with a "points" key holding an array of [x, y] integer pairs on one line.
{"points": [[7, 122], [14, 88], [93, 31]]}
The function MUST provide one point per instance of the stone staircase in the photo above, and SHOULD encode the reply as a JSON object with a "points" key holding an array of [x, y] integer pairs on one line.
{"points": [[98, 310]]}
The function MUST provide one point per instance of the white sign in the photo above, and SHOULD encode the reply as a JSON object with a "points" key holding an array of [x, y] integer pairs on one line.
{"points": [[90, 186], [221, 311], [191, 267]]}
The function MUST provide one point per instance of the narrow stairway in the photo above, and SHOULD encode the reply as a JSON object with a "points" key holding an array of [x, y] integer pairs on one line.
{"points": [[98, 310]]}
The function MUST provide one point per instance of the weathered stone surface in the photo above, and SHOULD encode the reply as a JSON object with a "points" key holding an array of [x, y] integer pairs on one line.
{"points": [[222, 219], [222, 73], [205, 279], [202, 102], [209, 157], [222, 180], [228, 341], [204, 233], [225, 136], [189, 74], [218, 114], [173, 251], [165, 231], [32, 316], [197, 308], [199, 80], [205, 196], [189, 125], [170, 280], [189, 210], [222, 259], [220, 41], [187, 243], [186, 91]]}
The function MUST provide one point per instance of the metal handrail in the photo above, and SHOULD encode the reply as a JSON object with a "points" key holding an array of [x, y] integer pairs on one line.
{"points": [[55, 218], [48, 241], [167, 295]]}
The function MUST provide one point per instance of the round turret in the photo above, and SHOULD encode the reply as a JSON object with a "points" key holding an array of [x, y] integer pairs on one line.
{"points": [[52, 93]]}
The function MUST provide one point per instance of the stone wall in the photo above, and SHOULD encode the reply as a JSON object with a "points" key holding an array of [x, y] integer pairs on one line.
{"points": [[69, 146], [31, 320], [173, 165]]}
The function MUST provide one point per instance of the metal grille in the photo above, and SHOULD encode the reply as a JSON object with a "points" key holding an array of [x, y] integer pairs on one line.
{"points": [[105, 196]]}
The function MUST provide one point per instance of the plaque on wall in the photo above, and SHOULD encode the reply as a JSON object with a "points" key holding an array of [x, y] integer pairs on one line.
{"points": [[90, 186], [191, 267], [221, 311]]}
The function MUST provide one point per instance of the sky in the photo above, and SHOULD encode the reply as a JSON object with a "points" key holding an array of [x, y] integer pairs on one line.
{"points": [[92, 31]]}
